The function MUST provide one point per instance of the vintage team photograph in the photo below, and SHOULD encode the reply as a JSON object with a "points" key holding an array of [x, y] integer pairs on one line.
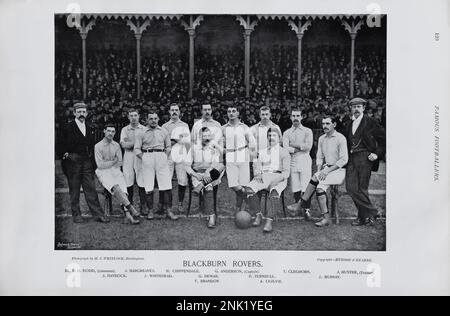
{"points": [[220, 132]]}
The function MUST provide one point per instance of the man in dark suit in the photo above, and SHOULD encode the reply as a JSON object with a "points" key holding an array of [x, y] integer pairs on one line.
{"points": [[78, 161], [366, 144]]}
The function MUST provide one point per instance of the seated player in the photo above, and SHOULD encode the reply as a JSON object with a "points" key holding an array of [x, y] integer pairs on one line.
{"points": [[271, 170], [332, 156], [204, 166], [108, 157]]}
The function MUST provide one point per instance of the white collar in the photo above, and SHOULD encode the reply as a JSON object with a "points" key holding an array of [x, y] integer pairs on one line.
{"points": [[332, 135], [79, 122], [271, 124], [152, 129], [300, 127], [357, 120], [277, 146], [229, 124], [106, 142], [137, 127]]}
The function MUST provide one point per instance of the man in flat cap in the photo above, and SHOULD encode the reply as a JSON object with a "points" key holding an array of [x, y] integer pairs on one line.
{"points": [[366, 144], [78, 158]]}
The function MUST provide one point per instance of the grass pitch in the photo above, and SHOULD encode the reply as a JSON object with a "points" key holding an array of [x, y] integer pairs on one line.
{"points": [[291, 234]]}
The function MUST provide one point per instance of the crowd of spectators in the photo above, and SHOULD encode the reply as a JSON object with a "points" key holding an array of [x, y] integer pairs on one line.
{"points": [[219, 80]]}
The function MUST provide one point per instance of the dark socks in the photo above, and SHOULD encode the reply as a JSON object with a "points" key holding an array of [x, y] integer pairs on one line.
{"points": [[306, 199], [297, 196], [130, 191], [323, 202], [161, 205], [181, 193], [254, 204], [149, 200], [141, 196], [167, 199], [239, 199]]}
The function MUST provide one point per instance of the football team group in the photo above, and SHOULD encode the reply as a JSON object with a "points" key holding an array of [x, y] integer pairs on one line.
{"points": [[258, 159]]}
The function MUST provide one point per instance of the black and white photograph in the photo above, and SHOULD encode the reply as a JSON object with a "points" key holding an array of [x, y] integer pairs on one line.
{"points": [[220, 132], [220, 155]]}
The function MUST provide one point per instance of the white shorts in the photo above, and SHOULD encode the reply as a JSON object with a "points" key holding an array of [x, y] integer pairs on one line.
{"points": [[301, 173], [180, 170], [111, 177], [336, 177], [265, 185], [132, 169], [238, 173], [299, 180], [156, 164]]}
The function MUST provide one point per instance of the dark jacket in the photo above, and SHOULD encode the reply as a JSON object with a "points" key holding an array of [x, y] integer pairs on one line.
{"points": [[73, 141], [342, 124], [373, 137]]}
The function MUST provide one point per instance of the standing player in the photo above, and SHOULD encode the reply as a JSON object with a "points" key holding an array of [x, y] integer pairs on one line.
{"points": [[239, 142], [153, 147], [132, 166], [259, 130], [108, 157], [332, 157], [207, 121], [298, 140], [271, 173], [180, 138]]}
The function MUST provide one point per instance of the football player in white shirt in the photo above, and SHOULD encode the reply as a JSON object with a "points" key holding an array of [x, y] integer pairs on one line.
{"points": [[239, 143], [132, 166], [207, 121], [180, 138]]}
